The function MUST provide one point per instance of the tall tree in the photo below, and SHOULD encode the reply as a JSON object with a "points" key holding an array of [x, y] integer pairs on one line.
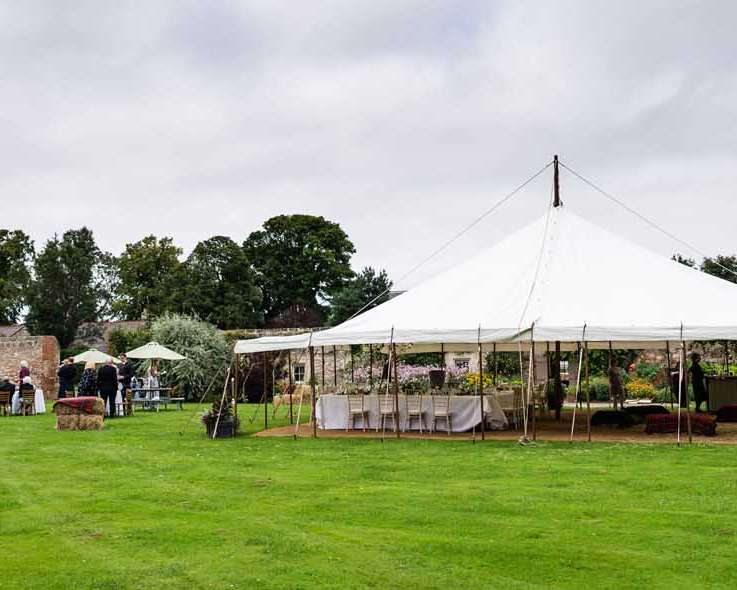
{"points": [[301, 261], [16, 258], [64, 292], [724, 267], [148, 275], [220, 285], [366, 290]]}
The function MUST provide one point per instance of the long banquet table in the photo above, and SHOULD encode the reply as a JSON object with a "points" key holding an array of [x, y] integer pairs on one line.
{"points": [[332, 413]]}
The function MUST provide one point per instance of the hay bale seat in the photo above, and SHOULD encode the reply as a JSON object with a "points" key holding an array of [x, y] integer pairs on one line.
{"points": [[79, 413], [668, 423]]}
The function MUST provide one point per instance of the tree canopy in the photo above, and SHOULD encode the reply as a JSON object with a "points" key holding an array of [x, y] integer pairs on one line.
{"points": [[301, 261], [363, 292], [64, 292], [16, 258], [148, 274], [220, 285]]}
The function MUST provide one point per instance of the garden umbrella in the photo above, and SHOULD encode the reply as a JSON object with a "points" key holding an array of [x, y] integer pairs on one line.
{"points": [[154, 351], [95, 356]]}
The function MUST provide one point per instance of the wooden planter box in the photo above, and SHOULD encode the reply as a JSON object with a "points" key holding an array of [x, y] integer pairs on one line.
{"points": [[225, 429]]}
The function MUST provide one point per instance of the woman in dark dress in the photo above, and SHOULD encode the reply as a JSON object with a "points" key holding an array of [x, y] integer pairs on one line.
{"points": [[66, 375], [88, 382]]}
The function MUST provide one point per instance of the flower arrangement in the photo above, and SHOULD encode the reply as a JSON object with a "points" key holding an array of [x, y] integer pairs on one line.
{"points": [[638, 388], [471, 382]]}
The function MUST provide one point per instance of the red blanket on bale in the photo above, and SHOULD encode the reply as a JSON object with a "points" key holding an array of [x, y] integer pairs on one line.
{"points": [[85, 404], [663, 423]]}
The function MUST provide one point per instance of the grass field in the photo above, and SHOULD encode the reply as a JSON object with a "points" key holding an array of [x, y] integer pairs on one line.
{"points": [[151, 503]]}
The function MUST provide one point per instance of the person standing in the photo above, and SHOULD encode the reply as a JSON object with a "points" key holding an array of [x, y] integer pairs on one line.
{"points": [[25, 371], [615, 384], [88, 382], [125, 372], [698, 382], [66, 374], [107, 383]]}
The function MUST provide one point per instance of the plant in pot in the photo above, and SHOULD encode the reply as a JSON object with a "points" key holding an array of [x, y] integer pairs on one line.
{"points": [[219, 420]]}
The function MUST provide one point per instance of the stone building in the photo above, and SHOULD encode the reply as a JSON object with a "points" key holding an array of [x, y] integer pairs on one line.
{"points": [[41, 352]]}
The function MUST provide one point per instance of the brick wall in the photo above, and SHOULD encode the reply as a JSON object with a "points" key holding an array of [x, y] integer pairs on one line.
{"points": [[42, 354]]}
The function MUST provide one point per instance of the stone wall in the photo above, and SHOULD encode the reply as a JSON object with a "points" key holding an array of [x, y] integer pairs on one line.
{"points": [[42, 354]]}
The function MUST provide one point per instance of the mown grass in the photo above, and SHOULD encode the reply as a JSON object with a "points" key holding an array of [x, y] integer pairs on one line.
{"points": [[151, 503]]}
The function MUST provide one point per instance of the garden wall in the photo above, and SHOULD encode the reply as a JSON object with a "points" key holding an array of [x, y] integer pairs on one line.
{"points": [[42, 354]]}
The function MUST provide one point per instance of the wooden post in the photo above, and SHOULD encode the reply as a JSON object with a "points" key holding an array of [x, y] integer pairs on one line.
{"points": [[291, 387], [667, 372], [322, 359], [609, 366], [688, 399], [266, 394], [556, 183], [558, 386], [396, 390], [496, 365], [481, 391], [442, 355], [371, 367], [588, 391], [353, 376], [532, 380], [335, 367], [313, 381]]}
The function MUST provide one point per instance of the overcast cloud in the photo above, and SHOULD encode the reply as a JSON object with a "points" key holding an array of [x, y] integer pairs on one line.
{"points": [[402, 121]]}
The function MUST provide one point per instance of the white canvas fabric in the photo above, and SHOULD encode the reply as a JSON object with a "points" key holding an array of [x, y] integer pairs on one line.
{"points": [[154, 350], [546, 283]]}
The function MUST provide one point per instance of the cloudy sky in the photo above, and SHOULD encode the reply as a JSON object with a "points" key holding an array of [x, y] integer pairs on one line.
{"points": [[402, 121]]}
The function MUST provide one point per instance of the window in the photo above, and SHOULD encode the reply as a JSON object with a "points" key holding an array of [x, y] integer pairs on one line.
{"points": [[299, 373], [462, 363]]}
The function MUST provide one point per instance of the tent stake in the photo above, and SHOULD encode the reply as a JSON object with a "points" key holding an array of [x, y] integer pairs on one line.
{"points": [[313, 381]]}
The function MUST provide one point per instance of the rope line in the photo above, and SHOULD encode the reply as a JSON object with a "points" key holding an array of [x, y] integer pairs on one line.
{"points": [[645, 220], [457, 236]]}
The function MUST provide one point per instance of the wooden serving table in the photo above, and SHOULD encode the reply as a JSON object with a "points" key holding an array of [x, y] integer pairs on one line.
{"points": [[722, 391]]}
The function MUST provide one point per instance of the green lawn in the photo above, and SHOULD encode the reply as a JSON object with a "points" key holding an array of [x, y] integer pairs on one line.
{"points": [[151, 503]]}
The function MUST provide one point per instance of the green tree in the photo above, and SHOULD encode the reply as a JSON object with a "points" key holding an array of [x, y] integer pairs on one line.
{"points": [[148, 276], [16, 258], [724, 267], [64, 292], [220, 285], [301, 261], [363, 292]]}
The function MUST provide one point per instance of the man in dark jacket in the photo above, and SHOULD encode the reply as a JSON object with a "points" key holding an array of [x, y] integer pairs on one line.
{"points": [[698, 382], [125, 372], [107, 383], [66, 374]]}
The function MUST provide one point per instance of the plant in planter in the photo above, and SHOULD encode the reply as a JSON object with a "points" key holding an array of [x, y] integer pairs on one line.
{"points": [[220, 416]]}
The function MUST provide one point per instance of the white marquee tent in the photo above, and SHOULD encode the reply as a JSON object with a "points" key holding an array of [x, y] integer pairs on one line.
{"points": [[560, 278]]}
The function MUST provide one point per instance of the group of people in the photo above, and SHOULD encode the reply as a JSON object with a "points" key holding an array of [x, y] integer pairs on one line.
{"points": [[25, 383], [103, 381]]}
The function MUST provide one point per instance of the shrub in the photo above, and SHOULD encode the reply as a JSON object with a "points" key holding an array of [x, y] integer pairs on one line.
{"points": [[125, 340], [637, 388], [599, 389], [205, 347]]}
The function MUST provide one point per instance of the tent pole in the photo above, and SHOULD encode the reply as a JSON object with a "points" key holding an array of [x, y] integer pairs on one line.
{"points": [[353, 376], [442, 355], [726, 358], [556, 183], [371, 367], [481, 390], [335, 367], [291, 387], [611, 397], [322, 360], [667, 372], [313, 382], [396, 390], [558, 385], [588, 391], [496, 366], [688, 398], [532, 379], [266, 395]]}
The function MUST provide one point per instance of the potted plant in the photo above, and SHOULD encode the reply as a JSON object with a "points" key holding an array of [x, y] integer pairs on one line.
{"points": [[220, 416]]}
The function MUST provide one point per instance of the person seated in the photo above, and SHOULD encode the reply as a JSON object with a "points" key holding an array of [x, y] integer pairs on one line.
{"points": [[7, 385], [27, 385]]}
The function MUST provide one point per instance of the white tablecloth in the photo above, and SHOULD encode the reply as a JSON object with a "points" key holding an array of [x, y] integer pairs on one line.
{"points": [[332, 413], [40, 402]]}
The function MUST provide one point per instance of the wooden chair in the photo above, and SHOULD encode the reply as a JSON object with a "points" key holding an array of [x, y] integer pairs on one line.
{"points": [[414, 411], [5, 402], [387, 410], [356, 408], [27, 400], [441, 410]]}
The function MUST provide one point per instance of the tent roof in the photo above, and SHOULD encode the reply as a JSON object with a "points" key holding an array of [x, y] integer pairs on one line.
{"points": [[559, 278]]}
